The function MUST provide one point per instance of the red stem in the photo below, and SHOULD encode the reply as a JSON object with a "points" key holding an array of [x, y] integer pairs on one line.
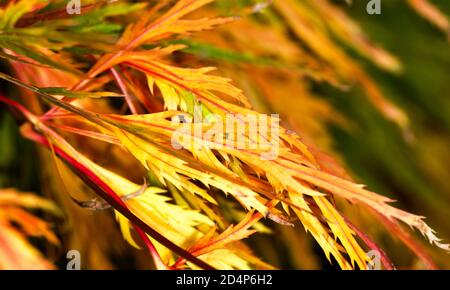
{"points": [[388, 265], [124, 90], [106, 192]]}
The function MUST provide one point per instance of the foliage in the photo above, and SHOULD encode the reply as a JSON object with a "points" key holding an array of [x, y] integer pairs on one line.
{"points": [[100, 91]]}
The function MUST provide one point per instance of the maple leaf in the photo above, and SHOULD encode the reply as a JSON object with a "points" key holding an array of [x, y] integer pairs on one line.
{"points": [[76, 64]]}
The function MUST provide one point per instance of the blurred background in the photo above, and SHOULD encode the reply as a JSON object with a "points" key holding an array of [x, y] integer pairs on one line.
{"points": [[410, 165]]}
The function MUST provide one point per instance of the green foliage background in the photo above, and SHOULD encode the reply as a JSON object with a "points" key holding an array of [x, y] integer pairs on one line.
{"points": [[415, 173]]}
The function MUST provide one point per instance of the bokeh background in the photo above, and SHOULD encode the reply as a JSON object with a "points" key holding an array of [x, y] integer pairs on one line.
{"points": [[412, 168]]}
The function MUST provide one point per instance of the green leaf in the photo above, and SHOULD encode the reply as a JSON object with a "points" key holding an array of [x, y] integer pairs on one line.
{"points": [[28, 51], [79, 95]]}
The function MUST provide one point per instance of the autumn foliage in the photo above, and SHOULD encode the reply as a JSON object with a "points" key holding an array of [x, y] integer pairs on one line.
{"points": [[98, 94]]}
